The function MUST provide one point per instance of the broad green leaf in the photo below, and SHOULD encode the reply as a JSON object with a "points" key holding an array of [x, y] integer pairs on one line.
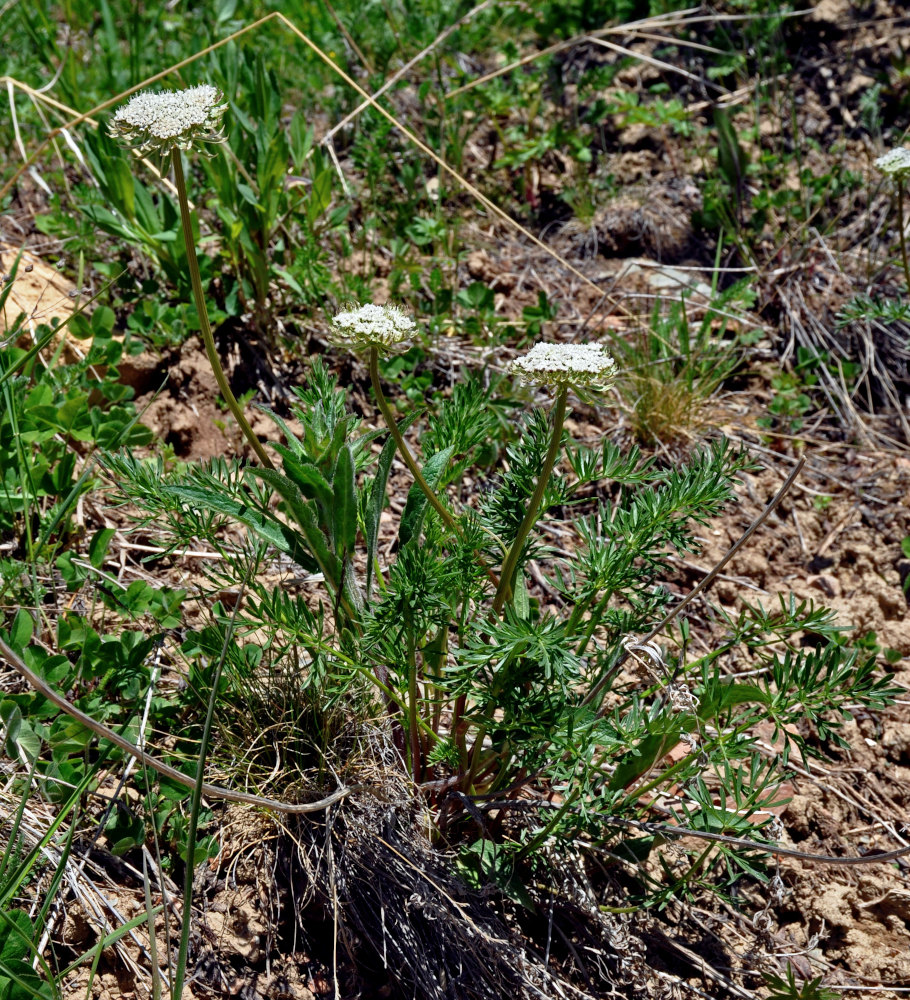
{"points": [[320, 195], [21, 631], [647, 752], [722, 696], [21, 742], [97, 547], [119, 186]]}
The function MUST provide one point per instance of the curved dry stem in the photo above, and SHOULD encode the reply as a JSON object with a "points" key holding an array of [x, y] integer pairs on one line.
{"points": [[210, 791]]}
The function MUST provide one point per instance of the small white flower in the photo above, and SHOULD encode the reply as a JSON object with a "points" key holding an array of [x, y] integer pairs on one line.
{"points": [[895, 163], [171, 118], [368, 326], [564, 365]]}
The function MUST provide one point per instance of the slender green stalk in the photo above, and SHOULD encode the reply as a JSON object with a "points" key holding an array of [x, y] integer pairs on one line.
{"points": [[900, 228], [504, 590], [205, 326], [403, 449]]}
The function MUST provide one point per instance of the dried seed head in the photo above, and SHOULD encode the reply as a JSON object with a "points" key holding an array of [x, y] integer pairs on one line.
{"points": [[895, 163], [160, 122], [563, 365], [383, 327], [682, 699]]}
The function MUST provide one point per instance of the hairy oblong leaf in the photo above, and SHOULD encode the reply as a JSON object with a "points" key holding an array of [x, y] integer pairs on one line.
{"points": [[294, 445], [416, 506], [328, 562], [638, 761], [721, 696], [298, 507], [374, 505], [344, 511], [270, 530], [521, 603], [376, 497], [308, 480]]}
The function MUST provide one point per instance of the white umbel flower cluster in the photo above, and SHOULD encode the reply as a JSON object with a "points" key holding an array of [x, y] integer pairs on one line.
{"points": [[159, 122], [563, 365], [383, 327], [895, 163]]}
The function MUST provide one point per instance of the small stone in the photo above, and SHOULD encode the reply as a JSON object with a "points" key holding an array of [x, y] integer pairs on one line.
{"points": [[828, 585]]}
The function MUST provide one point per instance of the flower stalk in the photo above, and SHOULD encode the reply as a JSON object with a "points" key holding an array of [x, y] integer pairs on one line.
{"points": [[204, 324], [900, 229], [165, 123], [589, 370], [504, 590], [401, 444], [896, 165]]}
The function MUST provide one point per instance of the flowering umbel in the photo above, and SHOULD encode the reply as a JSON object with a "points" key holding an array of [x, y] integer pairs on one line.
{"points": [[383, 327], [895, 163], [561, 366], [151, 122]]}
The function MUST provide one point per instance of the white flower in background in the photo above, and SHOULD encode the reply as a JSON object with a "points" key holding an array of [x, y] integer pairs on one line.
{"points": [[562, 365], [382, 327], [152, 122], [895, 163]]}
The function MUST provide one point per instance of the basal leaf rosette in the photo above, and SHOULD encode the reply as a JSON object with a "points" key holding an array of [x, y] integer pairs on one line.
{"points": [[170, 119], [585, 367], [362, 328]]}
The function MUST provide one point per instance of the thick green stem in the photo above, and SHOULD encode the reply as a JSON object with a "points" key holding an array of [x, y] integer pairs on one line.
{"points": [[403, 449], [900, 225], [205, 326], [504, 590]]}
